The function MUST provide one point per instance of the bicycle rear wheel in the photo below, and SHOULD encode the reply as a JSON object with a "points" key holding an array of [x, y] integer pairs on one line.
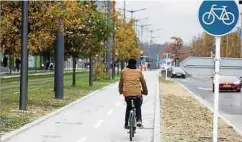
{"points": [[131, 127]]}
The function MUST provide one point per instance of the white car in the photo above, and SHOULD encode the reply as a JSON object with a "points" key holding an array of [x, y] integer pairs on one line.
{"points": [[178, 72]]}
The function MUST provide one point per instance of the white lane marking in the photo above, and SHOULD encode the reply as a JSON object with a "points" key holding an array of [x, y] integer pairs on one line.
{"points": [[98, 123], [205, 89], [110, 111], [82, 139]]}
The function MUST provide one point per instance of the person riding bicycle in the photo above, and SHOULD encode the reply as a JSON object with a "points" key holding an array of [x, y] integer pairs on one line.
{"points": [[132, 85]]}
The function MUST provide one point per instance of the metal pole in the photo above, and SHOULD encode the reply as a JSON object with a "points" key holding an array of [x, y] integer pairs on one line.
{"points": [[227, 43], [240, 35], [24, 59], [166, 64], [122, 61], [90, 71], [108, 44], [59, 61], [216, 91]]}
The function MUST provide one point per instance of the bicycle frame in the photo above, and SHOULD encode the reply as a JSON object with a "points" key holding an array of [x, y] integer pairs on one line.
{"points": [[213, 9]]}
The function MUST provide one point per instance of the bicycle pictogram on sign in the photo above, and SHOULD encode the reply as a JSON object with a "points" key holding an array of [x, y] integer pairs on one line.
{"points": [[218, 17], [225, 16]]}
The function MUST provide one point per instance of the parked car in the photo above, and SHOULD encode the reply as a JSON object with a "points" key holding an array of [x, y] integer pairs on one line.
{"points": [[231, 83], [178, 72]]}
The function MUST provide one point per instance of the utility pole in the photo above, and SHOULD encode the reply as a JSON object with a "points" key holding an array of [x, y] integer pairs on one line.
{"points": [[108, 44], [24, 59]]}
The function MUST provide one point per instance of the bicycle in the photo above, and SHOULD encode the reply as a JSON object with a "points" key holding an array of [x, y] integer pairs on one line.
{"points": [[132, 120], [227, 18]]}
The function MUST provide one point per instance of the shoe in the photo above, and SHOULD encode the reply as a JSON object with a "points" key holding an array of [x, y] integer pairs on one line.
{"points": [[139, 124]]}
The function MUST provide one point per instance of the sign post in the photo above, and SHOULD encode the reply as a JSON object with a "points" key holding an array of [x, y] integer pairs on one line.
{"points": [[218, 18]]}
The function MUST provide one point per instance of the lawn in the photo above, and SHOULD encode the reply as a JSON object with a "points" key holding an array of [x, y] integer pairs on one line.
{"points": [[40, 98]]}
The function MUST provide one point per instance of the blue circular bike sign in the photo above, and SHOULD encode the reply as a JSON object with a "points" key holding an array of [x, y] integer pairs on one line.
{"points": [[218, 17]]}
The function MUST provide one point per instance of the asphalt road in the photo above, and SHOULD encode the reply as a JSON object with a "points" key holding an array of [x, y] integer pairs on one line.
{"points": [[230, 103], [98, 118]]}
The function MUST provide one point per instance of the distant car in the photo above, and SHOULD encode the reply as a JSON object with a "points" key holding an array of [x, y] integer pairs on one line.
{"points": [[232, 83], [178, 72]]}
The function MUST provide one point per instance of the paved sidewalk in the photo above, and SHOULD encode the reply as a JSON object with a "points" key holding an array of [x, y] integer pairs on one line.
{"points": [[97, 118]]}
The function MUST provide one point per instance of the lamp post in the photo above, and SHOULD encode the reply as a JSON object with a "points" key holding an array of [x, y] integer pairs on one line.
{"points": [[138, 20], [24, 59], [141, 59], [142, 28]]}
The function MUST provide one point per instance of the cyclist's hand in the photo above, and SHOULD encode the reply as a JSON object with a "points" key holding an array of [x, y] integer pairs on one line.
{"points": [[144, 92]]}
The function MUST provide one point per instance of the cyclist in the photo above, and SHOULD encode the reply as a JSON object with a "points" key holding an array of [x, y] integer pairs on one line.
{"points": [[132, 84]]}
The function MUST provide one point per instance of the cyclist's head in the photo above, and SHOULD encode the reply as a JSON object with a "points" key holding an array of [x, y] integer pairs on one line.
{"points": [[132, 64]]}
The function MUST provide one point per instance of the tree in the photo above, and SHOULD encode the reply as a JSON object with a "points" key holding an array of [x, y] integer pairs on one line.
{"points": [[126, 42], [42, 23]]}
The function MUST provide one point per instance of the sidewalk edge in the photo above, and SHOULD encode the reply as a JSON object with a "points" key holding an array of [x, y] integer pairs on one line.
{"points": [[157, 124], [24, 128]]}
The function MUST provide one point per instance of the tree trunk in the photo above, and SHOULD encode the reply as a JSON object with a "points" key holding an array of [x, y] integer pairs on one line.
{"points": [[90, 71], [10, 64], [74, 71], [113, 69]]}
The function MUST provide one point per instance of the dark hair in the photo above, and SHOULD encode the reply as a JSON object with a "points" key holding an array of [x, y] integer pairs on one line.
{"points": [[132, 64]]}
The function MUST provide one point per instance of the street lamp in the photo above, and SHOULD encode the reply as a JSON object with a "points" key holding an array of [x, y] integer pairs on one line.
{"points": [[141, 58], [137, 20], [133, 11], [141, 34]]}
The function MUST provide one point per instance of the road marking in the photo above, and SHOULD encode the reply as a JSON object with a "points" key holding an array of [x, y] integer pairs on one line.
{"points": [[82, 139], [16, 93], [98, 123], [205, 89], [110, 111]]}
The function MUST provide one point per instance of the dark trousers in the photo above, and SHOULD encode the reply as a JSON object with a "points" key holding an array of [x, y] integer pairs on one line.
{"points": [[137, 102]]}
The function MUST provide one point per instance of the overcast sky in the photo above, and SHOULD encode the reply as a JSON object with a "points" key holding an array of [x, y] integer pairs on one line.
{"points": [[173, 17]]}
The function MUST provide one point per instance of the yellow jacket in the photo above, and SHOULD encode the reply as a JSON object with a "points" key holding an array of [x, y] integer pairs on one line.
{"points": [[132, 83]]}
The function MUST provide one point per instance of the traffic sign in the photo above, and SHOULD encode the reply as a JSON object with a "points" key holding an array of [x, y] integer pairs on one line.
{"points": [[218, 17]]}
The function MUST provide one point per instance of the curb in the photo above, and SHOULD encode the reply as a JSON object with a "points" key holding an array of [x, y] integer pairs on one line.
{"points": [[157, 129], [10, 135], [204, 103]]}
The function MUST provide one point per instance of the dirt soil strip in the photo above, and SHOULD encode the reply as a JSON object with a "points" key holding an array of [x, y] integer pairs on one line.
{"points": [[184, 119]]}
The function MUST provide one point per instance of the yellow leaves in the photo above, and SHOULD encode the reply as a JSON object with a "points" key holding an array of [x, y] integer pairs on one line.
{"points": [[126, 43]]}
